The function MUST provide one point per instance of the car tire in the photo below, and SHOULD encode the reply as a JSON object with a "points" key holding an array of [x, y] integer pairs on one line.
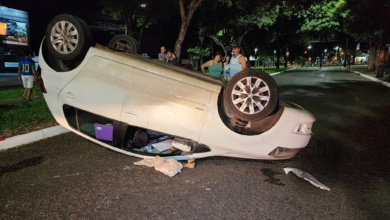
{"points": [[251, 95], [53, 62], [124, 43], [68, 37]]}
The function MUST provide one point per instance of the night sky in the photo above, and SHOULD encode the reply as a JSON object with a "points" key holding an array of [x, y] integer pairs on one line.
{"points": [[42, 11]]}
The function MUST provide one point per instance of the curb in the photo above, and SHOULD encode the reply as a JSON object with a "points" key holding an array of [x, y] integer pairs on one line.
{"points": [[369, 77], [273, 74], [31, 137]]}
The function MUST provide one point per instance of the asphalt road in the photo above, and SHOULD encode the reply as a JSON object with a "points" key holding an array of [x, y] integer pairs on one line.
{"points": [[68, 177]]}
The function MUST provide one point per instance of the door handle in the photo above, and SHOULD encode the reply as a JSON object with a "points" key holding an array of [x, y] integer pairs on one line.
{"points": [[70, 95]]}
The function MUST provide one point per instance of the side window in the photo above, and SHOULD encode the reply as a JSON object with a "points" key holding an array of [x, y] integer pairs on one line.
{"points": [[90, 124]]}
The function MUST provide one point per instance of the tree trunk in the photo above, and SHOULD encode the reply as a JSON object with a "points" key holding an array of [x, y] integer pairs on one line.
{"points": [[219, 43], [185, 21], [371, 65], [127, 18], [381, 61]]}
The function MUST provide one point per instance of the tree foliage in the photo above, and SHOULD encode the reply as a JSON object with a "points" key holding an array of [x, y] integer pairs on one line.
{"points": [[238, 19], [279, 24], [322, 15], [369, 20]]}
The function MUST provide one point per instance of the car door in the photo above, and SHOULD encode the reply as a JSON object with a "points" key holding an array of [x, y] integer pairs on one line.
{"points": [[97, 88], [165, 100]]}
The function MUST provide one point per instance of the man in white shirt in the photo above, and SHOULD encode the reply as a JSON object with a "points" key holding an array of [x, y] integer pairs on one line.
{"points": [[237, 62]]}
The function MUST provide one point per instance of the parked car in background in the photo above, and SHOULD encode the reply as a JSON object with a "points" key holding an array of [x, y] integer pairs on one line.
{"points": [[361, 59], [144, 107]]}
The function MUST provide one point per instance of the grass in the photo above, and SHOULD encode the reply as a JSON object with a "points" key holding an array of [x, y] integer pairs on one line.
{"points": [[18, 117], [11, 94]]}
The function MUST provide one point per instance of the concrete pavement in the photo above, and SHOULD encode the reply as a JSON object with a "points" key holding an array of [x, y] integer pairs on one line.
{"points": [[9, 80], [31, 137], [360, 70]]}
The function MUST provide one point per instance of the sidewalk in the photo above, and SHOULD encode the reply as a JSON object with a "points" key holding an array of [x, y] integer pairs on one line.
{"points": [[11, 80], [360, 70]]}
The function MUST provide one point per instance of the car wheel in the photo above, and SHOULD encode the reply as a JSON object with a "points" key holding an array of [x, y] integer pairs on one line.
{"points": [[68, 37], [124, 43], [53, 62], [251, 95]]}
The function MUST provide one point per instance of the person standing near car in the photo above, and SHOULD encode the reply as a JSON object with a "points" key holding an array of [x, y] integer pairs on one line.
{"points": [[214, 66], [238, 61], [226, 67], [27, 73], [162, 55], [171, 58]]}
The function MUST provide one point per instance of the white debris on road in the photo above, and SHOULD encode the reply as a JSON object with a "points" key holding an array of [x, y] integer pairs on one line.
{"points": [[306, 176], [169, 167]]}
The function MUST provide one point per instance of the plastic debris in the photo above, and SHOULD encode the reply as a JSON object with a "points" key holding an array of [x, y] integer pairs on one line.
{"points": [[306, 176], [169, 167], [182, 144]]}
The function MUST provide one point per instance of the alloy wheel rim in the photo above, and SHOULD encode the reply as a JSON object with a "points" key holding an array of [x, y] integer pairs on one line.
{"points": [[64, 37], [250, 95]]}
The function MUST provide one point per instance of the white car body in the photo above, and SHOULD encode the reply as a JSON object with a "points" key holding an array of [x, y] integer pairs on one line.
{"points": [[153, 95]]}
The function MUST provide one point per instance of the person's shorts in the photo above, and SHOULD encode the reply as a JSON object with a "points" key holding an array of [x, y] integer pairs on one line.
{"points": [[226, 76], [28, 81]]}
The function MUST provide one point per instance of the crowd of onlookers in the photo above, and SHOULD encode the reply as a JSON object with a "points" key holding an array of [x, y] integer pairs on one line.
{"points": [[218, 67]]}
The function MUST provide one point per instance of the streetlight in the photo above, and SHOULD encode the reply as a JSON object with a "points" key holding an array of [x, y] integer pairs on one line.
{"points": [[286, 61], [255, 57], [324, 57], [309, 47], [337, 54], [274, 63]]}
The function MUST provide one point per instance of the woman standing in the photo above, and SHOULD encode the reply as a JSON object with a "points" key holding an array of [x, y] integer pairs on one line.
{"points": [[171, 58], [226, 68], [214, 66]]}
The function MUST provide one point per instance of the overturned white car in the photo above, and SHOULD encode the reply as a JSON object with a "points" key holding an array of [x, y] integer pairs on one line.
{"points": [[144, 107]]}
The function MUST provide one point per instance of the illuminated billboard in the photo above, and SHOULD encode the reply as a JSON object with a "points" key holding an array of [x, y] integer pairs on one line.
{"points": [[14, 27]]}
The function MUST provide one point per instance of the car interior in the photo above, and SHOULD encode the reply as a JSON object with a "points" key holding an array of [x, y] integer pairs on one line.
{"points": [[126, 137]]}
